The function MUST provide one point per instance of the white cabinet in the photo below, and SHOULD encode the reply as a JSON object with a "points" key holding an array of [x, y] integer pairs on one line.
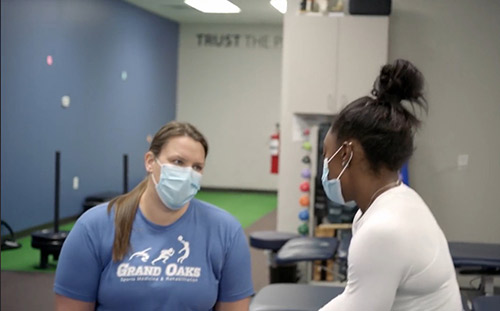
{"points": [[310, 64], [329, 61]]}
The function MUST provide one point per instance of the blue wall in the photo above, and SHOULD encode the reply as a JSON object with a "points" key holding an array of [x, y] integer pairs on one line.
{"points": [[92, 42]]}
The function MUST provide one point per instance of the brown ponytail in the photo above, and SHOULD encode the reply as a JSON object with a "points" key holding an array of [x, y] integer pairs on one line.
{"points": [[126, 205]]}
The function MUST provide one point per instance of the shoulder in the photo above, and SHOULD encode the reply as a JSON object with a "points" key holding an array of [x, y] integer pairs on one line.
{"points": [[394, 219], [396, 207], [216, 221], [403, 195], [97, 217]]}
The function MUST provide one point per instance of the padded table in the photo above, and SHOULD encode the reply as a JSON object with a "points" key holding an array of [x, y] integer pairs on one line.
{"points": [[477, 258], [486, 303], [307, 249], [270, 240], [482, 255], [293, 297]]}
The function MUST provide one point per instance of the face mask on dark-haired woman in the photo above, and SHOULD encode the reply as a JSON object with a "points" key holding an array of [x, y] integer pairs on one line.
{"points": [[333, 187]]}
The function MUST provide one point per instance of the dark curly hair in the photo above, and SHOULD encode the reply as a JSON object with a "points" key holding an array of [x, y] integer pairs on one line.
{"points": [[383, 124]]}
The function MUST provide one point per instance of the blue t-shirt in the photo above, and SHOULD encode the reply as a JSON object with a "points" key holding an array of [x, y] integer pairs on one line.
{"points": [[191, 264]]}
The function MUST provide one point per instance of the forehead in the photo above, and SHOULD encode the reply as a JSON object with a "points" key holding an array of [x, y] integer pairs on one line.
{"points": [[184, 146]]}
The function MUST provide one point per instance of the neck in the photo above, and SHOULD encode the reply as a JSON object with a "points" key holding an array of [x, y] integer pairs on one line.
{"points": [[372, 187], [155, 211]]}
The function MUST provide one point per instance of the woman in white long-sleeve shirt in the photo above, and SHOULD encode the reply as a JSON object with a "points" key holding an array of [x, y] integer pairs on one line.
{"points": [[398, 256]]}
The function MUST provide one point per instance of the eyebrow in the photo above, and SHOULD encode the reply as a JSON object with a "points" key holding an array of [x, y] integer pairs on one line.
{"points": [[199, 163], [178, 156]]}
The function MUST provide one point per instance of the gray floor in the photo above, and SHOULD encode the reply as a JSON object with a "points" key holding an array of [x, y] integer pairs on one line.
{"points": [[25, 291]]}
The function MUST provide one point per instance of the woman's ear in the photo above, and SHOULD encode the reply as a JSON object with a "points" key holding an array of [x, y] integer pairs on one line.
{"points": [[149, 160], [347, 152]]}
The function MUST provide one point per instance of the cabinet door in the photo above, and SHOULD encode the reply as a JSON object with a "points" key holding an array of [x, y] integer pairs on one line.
{"points": [[309, 64], [363, 45]]}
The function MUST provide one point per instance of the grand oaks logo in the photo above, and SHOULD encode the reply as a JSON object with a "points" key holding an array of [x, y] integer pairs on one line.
{"points": [[127, 270], [171, 272]]}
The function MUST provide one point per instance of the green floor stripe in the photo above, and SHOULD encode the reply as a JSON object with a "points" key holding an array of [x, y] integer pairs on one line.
{"points": [[27, 258], [245, 207]]}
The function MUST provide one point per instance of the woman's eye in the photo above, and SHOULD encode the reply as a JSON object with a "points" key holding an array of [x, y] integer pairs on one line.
{"points": [[177, 162], [197, 168]]}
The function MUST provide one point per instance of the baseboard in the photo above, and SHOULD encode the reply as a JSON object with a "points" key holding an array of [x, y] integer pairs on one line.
{"points": [[27, 232]]}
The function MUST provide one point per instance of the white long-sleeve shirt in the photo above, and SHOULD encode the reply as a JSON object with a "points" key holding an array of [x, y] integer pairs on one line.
{"points": [[398, 259]]}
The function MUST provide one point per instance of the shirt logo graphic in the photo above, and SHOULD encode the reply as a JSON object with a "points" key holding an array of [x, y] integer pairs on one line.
{"points": [[151, 270], [165, 255], [143, 254], [185, 249]]}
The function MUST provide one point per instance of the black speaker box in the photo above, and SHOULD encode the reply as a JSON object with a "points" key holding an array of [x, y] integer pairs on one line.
{"points": [[370, 7]]}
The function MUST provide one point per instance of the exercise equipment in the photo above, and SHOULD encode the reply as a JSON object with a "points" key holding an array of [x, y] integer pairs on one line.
{"points": [[50, 241], [303, 229], [98, 198], [304, 200], [306, 173], [304, 215], [304, 186], [9, 243], [306, 159], [307, 146]]}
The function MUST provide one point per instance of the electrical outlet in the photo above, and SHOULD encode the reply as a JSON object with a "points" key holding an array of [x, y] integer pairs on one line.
{"points": [[462, 160], [76, 183]]}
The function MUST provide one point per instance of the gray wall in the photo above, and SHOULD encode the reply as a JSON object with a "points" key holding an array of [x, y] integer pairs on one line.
{"points": [[229, 86], [456, 44]]}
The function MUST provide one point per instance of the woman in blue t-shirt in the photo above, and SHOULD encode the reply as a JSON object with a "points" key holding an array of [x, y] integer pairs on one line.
{"points": [[157, 248]]}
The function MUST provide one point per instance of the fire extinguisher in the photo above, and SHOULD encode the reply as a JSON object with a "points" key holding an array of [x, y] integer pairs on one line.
{"points": [[274, 147]]}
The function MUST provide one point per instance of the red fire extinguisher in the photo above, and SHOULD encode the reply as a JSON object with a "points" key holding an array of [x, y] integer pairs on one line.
{"points": [[274, 147]]}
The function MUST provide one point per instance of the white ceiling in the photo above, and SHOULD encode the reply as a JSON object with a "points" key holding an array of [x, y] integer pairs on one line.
{"points": [[252, 12]]}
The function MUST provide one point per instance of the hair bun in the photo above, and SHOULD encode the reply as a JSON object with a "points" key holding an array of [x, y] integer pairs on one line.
{"points": [[399, 81]]}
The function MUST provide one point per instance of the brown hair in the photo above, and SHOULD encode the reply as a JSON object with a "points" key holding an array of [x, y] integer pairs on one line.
{"points": [[126, 205]]}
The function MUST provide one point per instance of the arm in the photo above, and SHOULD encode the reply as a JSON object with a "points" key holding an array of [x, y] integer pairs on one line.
{"points": [[67, 304], [240, 305], [377, 264], [72, 287], [235, 285]]}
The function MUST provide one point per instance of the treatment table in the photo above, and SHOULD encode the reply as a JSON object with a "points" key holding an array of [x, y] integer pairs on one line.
{"points": [[477, 258], [471, 258]]}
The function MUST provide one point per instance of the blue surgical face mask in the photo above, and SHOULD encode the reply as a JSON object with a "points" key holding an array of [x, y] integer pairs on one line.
{"points": [[332, 187], [177, 185]]}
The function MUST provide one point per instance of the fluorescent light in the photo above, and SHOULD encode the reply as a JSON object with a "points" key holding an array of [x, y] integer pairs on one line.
{"points": [[279, 5], [213, 6]]}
